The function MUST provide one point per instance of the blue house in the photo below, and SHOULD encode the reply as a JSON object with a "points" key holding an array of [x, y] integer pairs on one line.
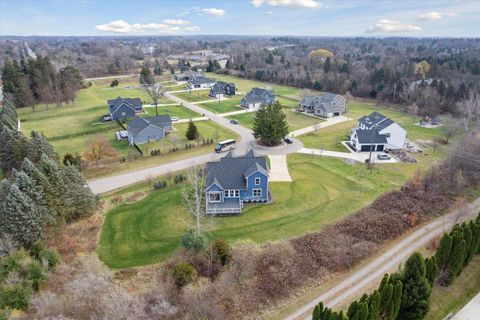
{"points": [[257, 97], [121, 108], [233, 181]]}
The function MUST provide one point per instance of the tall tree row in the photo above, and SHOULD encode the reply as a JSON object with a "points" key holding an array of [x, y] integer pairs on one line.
{"points": [[36, 81]]}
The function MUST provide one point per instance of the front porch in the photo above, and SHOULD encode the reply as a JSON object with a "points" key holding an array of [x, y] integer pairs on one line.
{"points": [[228, 206]]}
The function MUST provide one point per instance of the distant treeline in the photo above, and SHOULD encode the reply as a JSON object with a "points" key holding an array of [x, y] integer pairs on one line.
{"points": [[36, 81]]}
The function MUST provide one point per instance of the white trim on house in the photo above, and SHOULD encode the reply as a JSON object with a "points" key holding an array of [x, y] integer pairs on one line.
{"points": [[232, 193], [258, 181], [258, 195], [214, 193]]}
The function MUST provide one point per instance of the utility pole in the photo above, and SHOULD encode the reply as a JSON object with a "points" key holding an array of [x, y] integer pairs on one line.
{"points": [[370, 167]]}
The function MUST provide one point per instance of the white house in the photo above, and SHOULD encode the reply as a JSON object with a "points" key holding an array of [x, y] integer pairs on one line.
{"points": [[200, 82], [378, 131]]}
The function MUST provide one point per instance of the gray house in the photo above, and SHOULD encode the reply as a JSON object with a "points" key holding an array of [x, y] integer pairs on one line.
{"points": [[221, 89], [327, 105], [187, 75], [200, 82], [257, 97], [143, 130], [121, 108], [234, 181]]}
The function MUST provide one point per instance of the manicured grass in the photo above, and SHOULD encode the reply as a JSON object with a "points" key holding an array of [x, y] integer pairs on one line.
{"points": [[295, 120], [81, 119], [195, 96], [244, 85], [453, 298], [174, 111], [232, 104], [323, 190]]}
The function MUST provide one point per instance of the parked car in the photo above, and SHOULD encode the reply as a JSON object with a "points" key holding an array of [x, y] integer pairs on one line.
{"points": [[106, 118], [383, 157], [233, 121], [175, 118], [288, 140]]}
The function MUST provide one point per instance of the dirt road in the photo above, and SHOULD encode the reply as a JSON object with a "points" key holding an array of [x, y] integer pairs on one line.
{"points": [[359, 281]]}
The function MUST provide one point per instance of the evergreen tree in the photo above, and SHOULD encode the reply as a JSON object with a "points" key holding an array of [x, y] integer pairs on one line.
{"points": [[456, 261], [40, 183], [192, 131], [228, 65], [70, 81], [443, 251], [327, 66], [374, 306], [54, 188], [146, 76], [431, 270], [468, 237], [476, 237], [29, 188], [395, 304], [270, 124], [4, 189], [77, 199], [269, 59], [20, 218], [40, 146], [416, 289]]}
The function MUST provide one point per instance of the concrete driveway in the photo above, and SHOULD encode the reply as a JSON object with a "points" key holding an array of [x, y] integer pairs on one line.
{"points": [[279, 169], [355, 156]]}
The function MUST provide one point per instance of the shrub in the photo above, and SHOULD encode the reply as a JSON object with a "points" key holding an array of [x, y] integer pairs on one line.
{"points": [[179, 178], [160, 184], [36, 275], [114, 83], [221, 248], [193, 241], [15, 296], [51, 258], [183, 273]]}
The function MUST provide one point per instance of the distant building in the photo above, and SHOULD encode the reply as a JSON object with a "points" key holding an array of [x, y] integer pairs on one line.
{"points": [[144, 130], [326, 105], [221, 89], [235, 180], [187, 75], [200, 82], [377, 132], [257, 97], [121, 108]]}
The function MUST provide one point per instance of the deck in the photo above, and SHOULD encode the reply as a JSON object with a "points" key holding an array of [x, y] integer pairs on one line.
{"points": [[228, 206]]}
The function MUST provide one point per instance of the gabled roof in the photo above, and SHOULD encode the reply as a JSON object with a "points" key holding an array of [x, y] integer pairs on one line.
{"points": [[200, 80], [256, 95], [230, 172], [372, 119], [135, 103], [220, 86], [138, 124], [370, 136], [325, 100]]}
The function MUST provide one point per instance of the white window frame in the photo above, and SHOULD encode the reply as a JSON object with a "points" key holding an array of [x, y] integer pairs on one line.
{"points": [[214, 193], [259, 181], [388, 135], [257, 196], [232, 193]]}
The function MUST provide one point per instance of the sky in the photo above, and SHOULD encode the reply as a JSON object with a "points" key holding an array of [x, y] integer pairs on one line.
{"points": [[419, 18]]}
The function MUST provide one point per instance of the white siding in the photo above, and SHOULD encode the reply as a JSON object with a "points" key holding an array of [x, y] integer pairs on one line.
{"points": [[397, 137]]}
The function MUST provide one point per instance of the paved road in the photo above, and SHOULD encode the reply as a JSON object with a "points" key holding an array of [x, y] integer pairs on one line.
{"points": [[371, 273], [110, 77]]}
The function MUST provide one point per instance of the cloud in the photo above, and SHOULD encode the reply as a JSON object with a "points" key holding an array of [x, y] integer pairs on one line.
{"points": [[392, 26], [269, 12], [213, 11], [257, 3], [312, 4], [169, 26], [176, 22], [435, 15]]}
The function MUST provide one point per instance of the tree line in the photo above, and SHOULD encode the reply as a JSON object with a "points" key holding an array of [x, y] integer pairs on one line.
{"points": [[35, 81], [406, 294]]}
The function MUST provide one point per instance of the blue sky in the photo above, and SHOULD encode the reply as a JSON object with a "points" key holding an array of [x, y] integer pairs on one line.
{"points": [[419, 18]]}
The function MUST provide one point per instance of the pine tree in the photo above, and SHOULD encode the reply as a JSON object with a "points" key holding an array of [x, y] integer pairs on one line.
{"points": [[396, 301], [374, 306], [77, 199], [456, 261], [4, 189], [192, 131], [270, 124], [54, 189], [476, 237], [20, 218], [29, 188], [468, 237], [40, 146], [431, 270], [327, 66], [40, 183], [443, 251], [416, 289]]}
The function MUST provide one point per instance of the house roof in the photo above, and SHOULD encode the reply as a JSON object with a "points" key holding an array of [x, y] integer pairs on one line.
{"points": [[230, 172], [375, 118], [370, 136], [135, 103], [200, 80], [189, 74], [138, 124], [258, 95], [325, 100], [220, 86]]}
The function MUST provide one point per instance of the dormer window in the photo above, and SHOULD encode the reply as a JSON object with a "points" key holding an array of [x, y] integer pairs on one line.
{"points": [[257, 181]]}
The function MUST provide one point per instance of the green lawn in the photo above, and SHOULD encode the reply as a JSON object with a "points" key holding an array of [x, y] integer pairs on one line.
{"points": [[458, 294], [295, 120], [232, 104], [82, 119], [323, 190], [195, 96], [174, 111]]}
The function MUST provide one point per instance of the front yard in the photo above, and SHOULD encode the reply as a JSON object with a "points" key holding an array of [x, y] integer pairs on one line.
{"points": [[323, 190], [223, 106], [195, 95]]}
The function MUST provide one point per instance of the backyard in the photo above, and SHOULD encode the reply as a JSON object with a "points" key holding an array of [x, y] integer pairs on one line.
{"points": [[223, 106], [195, 95], [323, 190]]}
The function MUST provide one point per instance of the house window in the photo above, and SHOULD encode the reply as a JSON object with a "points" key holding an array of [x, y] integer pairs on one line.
{"points": [[231, 193], [387, 135], [214, 197], [236, 193], [257, 192], [227, 193], [257, 181]]}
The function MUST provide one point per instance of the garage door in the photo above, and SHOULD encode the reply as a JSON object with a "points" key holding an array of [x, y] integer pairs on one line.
{"points": [[380, 147], [365, 148]]}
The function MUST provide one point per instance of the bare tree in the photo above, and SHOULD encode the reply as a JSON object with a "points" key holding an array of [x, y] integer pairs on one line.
{"points": [[99, 148], [450, 127], [194, 196], [155, 92], [470, 109]]}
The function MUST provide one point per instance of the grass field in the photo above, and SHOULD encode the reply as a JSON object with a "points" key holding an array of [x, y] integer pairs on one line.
{"points": [[173, 111], [232, 104], [195, 96], [323, 190], [453, 298]]}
